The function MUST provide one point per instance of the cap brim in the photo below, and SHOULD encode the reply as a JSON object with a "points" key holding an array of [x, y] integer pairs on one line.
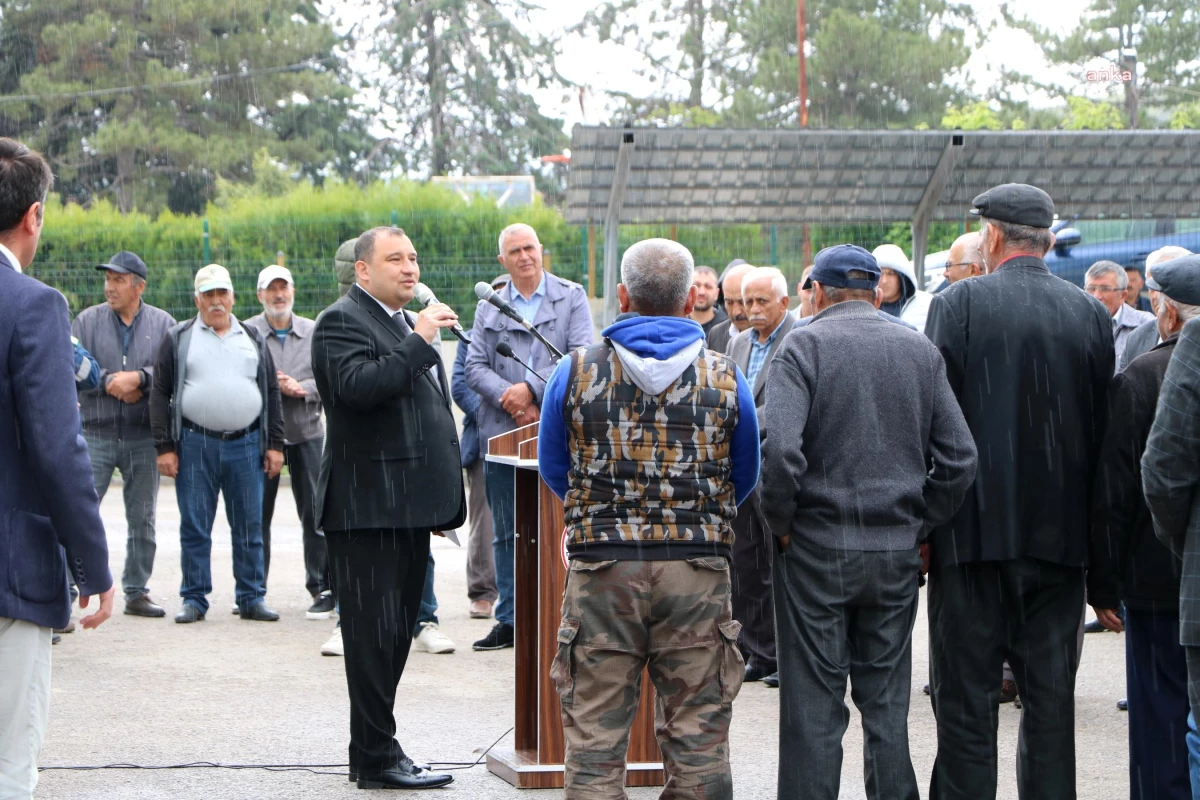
{"points": [[115, 268], [1153, 284], [807, 283], [976, 212], [211, 285]]}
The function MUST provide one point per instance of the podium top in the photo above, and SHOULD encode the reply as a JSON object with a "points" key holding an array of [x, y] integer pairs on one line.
{"points": [[517, 448]]}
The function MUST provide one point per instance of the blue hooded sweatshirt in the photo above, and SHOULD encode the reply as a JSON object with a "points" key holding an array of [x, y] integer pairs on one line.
{"points": [[654, 352]]}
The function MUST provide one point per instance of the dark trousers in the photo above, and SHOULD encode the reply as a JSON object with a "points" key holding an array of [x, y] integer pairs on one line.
{"points": [[378, 576], [753, 599], [1156, 686], [304, 465], [845, 613], [1027, 611]]}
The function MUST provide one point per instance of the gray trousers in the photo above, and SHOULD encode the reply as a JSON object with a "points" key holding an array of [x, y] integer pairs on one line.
{"points": [[24, 704], [481, 563], [138, 463], [844, 613]]}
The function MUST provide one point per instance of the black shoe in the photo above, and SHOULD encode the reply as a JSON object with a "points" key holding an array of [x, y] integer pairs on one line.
{"points": [[772, 680], [353, 774], [1122, 705], [189, 613], [55, 638], [756, 673], [322, 606], [1095, 626], [405, 775], [500, 638], [926, 689], [143, 606], [259, 613]]}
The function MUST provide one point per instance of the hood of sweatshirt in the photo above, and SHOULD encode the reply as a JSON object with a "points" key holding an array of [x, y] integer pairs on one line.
{"points": [[655, 350]]}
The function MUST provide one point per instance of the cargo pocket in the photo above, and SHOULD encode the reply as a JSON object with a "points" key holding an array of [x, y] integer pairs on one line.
{"points": [[562, 668], [733, 667]]}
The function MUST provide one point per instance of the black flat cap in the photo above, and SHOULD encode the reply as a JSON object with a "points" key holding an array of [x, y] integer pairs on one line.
{"points": [[125, 261], [1018, 203], [1178, 279]]}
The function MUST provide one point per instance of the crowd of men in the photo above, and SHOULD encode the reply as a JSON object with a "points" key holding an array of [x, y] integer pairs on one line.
{"points": [[750, 492]]}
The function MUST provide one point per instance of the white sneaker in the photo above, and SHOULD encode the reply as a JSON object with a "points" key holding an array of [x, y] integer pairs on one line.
{"points": [[334, 646], [432, 640], [236, 610]]}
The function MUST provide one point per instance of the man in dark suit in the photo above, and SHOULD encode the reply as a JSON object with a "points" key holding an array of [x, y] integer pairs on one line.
{"points": [[765, 295], [1029, 357], [47, 501], [390, 477]]}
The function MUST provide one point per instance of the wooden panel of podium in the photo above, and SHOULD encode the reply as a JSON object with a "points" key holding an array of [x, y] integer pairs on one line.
{"points": [[536, 759]]}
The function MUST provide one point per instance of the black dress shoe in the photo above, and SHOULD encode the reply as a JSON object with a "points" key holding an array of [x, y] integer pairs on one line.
{"points": [[1095, 626], [353, 774], [143, 606], [500, 637], [189, 613], [756, 673], [405, 775], [772, 680], [1122, 705], [259, 613]]}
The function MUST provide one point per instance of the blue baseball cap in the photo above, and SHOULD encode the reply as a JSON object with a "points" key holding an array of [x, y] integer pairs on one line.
{"points": [[834, 264]]}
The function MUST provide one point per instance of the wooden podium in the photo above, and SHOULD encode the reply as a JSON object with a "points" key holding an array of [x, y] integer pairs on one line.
{"points": [[536, 759]]}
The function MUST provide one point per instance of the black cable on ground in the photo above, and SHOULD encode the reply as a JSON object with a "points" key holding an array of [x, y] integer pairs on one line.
{"points": [[316, 769]]}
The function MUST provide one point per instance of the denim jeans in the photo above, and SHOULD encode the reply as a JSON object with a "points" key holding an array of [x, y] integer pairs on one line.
{"points": [[235, 469], [501, 483], [428, 612], [1193, 748], [137, 461]]}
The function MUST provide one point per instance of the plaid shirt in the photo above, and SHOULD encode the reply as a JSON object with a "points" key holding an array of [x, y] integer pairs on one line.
{"points": [[758, 355]]}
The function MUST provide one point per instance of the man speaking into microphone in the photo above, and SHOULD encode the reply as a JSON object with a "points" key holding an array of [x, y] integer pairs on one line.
{"points": [[512, 394], [390, 476]]}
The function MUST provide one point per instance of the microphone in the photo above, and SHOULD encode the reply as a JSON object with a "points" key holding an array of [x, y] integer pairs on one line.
{"points": [[424, 295], [485, 292], [504, 349]]}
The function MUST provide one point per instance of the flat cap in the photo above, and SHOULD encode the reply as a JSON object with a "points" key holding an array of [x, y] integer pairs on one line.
{"points": [[1178, 279], [1018, 203], [833, 265]]}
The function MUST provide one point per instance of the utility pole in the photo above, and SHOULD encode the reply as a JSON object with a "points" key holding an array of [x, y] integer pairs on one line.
{"points": [[800, 52]]}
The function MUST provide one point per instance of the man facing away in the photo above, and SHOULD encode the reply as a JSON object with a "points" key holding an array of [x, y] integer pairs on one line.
{"points": [[862, 461], [289, 340], [123, 334], [1029, 358], [1146, 336], [218, 426], [647, 518], [51, 515]]}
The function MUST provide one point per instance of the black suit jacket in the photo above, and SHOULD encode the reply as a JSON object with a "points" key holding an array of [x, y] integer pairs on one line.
{"points": [[391, 457], [1029, 357]]}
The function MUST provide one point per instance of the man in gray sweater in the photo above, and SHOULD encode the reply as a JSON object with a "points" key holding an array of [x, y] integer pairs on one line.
{"points": [[868, 451]]}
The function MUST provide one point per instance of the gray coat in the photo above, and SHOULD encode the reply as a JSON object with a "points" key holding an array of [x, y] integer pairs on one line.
{"points": [[563, 317], [1171, 473], [301, 415], [96, 328], [739, 351], [1143, 339]]}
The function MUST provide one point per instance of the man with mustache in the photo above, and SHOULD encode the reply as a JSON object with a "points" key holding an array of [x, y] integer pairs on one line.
{"points": [[218, 425], [722, 333]]}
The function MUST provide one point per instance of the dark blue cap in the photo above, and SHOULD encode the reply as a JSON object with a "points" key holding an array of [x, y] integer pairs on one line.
{"points": [[833, 265], [125, 261], [1178, 279]]}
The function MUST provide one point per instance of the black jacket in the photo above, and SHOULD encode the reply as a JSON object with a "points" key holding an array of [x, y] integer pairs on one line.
{"points": [[391, 455], [1127, 562], [1029, 357]]}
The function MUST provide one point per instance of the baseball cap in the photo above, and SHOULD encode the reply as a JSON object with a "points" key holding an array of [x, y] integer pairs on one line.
{"points": [[832, 267], [272, 273], [125, 261], [214, 276], [1178, 279], [1018, 203]]}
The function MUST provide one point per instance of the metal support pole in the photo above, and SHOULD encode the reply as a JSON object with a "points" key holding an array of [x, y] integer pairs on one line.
{"points": [[929, 200], [611, 222], [207, 247], [589, 238]]}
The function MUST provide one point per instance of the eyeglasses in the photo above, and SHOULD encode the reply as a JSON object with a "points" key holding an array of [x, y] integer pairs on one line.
{"points": [[959, 264], [1091, 287]]}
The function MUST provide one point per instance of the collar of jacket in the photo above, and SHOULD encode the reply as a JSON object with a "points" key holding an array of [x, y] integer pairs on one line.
{"points": [[556, 290], [117, 317], [259, 321], [850, 309], [1024, 261]]}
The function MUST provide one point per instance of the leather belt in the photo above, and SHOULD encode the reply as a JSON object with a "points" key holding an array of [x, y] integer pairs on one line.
{"points": [[224, 436]]}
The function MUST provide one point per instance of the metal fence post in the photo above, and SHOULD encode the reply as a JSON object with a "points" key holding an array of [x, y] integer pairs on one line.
{"points": [[207, 247]]}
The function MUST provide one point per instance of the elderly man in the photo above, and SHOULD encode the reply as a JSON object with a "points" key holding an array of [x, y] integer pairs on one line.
{"points": [[123, 334], [218, 426], [765, 295], [1007, 572], [731, 290], [1106, 281], [648, 532], [289, 340], [511, 394], [842, 418], [707, 313], [964, 259], [1146, 337], [901, 297], [1129, 565]]}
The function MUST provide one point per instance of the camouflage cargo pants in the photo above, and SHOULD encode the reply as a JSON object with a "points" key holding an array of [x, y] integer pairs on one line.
{"points": [[619, 617]]}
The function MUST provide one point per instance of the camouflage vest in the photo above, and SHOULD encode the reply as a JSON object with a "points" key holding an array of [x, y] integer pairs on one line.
{"points": [[649, 469]]}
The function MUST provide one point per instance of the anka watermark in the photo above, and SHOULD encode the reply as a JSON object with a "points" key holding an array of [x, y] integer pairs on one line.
{"points": [[1111, 73]]}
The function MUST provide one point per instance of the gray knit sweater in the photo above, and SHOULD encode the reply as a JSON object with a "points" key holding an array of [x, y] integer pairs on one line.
{"points": [[868, 449]]}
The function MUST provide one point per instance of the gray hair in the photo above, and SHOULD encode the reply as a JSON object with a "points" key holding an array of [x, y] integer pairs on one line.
{"points": [[1102, 268], [516, 226], [778, 281], [839, 294], [1035, 240], [657, 274], [364, 247], [1186, 312], [1167, 253]]}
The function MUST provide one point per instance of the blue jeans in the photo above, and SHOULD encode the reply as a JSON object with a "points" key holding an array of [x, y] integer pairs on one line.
{"points": [[1193, 747], [428, 612], [136, 460], [235, 469], [500, 481]]}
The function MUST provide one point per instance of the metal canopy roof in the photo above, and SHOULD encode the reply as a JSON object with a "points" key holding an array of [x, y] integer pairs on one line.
{"points": [[793, 176]]}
